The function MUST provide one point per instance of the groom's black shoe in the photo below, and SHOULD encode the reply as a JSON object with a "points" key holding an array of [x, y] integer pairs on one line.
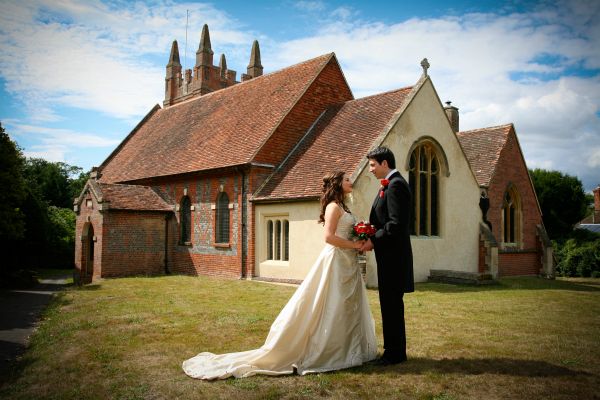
{"points": [[387, 360]]}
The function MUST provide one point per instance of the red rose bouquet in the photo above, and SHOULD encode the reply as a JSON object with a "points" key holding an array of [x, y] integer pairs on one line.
{"points": [[363, 230]]}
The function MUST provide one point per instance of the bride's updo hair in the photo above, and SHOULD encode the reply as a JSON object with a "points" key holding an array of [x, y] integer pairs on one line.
{"points": [[332, 190]]}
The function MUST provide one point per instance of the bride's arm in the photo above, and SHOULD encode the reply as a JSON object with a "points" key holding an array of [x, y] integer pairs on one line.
{"points": [[332, 217]]}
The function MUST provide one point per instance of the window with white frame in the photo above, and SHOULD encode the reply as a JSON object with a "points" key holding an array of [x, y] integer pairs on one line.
{"points": [[278, 241]]}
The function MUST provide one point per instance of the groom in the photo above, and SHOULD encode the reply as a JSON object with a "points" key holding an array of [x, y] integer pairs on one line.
{"points": [[390, 214]]}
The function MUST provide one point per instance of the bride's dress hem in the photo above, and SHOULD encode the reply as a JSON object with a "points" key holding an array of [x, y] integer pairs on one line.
{"points": [[325, 326]]}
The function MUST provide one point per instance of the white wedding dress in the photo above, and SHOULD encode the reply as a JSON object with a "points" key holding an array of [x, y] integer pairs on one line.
{"points": [[326, 325]]}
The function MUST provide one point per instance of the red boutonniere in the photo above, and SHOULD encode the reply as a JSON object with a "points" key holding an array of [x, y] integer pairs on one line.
{"points": [[384, 184]]}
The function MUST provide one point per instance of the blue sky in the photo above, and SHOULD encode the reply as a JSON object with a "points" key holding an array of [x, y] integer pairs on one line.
{"points": [[77, 76]]}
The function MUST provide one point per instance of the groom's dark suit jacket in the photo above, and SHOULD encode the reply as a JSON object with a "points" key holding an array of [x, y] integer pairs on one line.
{"points": [[391, 216]]}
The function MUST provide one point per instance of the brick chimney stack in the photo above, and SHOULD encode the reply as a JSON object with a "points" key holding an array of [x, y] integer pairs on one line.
{"points": [[597, 205], [452, 114]]}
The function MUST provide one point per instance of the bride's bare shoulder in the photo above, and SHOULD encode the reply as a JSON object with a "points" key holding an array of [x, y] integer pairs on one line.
{"points": [[333, 206]]}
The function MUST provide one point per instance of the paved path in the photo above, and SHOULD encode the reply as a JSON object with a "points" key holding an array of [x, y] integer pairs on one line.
{"points": [[20, 310]]}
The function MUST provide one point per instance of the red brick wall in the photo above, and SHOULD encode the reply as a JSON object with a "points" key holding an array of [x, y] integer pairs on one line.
{"points": [[519, 263], [203, 255], [512, 170], [134, 243], [329, 88]]}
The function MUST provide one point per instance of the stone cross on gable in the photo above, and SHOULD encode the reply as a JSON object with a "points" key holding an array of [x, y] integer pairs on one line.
{"points": [[425, 66]]}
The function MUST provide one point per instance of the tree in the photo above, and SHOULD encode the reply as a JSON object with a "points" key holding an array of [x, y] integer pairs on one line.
{"points": [[53, 181], [61, 237], [562, 200], [37, 222], [13, 191], [50, 219]]}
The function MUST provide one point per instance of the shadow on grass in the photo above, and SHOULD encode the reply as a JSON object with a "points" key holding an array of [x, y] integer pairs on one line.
{"points": [[465, 366], [13, 368], [20, 312], [515, 283]]}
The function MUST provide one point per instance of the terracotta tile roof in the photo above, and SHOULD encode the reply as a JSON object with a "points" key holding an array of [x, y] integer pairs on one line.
{"points": [[340, 140], [220, 129], [593, 218], [132, 197], [482, 148]]}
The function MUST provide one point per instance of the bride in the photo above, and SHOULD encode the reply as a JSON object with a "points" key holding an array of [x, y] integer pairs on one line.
{"points": [[327, 324]]}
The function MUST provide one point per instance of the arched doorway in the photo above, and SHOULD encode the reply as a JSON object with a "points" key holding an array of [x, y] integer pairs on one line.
{"points": [[87, 253]]}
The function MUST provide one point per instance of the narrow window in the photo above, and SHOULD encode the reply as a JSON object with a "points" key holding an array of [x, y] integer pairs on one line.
{"points": [[185, 218], [269, 240], [511, 212], [286, 240], [222, 218], [278, 240]]}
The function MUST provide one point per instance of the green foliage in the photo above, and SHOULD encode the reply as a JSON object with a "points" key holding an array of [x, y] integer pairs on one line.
{"points": [[579, 254], [62, 222], [562, 200], [12, 193], [54, 182], [37, 224]]}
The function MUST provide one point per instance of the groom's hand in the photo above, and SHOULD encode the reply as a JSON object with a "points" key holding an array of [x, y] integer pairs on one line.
{"points": [[367, 246]]}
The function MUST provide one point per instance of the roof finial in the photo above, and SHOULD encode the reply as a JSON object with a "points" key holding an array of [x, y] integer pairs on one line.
{"points": [[204, 55], [254, 67], [223, 67], [205, 39], [174, 57], [425, 66]]}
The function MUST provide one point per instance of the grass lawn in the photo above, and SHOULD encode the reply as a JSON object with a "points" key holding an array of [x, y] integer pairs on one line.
{"points": [[526, 338]]}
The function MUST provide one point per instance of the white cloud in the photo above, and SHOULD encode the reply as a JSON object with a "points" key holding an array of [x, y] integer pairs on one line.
{"points": [[92, 56], [108, 58], [594, 159], [474, 60], [57, 144], [62, 137]]}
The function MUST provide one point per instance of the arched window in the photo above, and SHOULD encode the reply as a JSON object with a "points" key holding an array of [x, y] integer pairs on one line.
{"points": [[424, 181], [278, 239], [185, 218], [222, 222], [511, 217]]}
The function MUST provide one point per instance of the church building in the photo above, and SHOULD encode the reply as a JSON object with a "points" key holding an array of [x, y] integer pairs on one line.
{"points": [[224, 179]]}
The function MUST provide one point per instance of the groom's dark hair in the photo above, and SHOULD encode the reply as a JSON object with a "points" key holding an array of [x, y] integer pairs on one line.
{"points": [[382, 153]]}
